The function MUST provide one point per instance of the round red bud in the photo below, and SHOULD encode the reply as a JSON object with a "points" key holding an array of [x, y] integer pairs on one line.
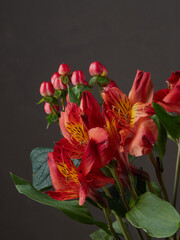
{"points": [[46, 89], [95, 69], [64, 69], [57, 82], [54, 76], [78, 77], [105, 72], [48, 109]]}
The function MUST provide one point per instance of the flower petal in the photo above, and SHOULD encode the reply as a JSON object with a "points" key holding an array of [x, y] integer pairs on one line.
{"points": [[63, 195], [142, 89], [97, 179], [146, 135], [92, 115], [72, 125], [57, 178], [118, 103], [71, 149]]}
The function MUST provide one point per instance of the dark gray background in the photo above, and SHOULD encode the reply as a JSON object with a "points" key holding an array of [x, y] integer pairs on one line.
{"points": [[36, 36]]}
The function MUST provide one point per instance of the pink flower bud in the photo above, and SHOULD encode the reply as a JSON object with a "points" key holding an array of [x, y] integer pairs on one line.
{"points": [[48, 109], [54, 76], [57, 82], [64, 69], [105, 72], [46, 89], [95, 69], [78, 77]]}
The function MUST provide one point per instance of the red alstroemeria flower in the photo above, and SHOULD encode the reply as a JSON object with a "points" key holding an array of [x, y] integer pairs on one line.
{"points": [[169, 98], [138, 132], [70, 182], [80, 141]]}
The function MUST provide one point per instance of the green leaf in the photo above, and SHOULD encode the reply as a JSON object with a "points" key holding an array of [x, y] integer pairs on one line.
{"points": [[102, 235], [92, 81], [51, 118], [41, 101], [71, 208], [72, 97], [65, 79], [157, 190], [155, 216], [170, 122], [79, 89], [40, 168], [160, 145], [57, 93], [103, 81]]}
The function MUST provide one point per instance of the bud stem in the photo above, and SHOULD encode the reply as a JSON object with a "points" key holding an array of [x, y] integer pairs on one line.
{"points": [[55, 113]]}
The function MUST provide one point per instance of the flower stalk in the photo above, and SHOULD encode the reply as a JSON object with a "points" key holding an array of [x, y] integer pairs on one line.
{"points": [[177, 174], [159, 176]]}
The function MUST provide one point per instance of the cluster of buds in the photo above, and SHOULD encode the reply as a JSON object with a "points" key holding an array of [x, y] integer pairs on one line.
{"points": [[59, 86]]}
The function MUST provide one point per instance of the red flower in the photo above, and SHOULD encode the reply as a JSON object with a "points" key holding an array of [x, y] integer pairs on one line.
{"points": [[169, 98], [92, 145], [132, 114], [70, 182]]}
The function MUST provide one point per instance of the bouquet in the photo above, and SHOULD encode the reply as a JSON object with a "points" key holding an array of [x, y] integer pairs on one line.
{"points": [[94, 160]]}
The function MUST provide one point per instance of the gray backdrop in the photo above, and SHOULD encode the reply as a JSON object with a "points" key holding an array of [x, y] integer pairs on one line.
{"points": [[39, 35]]}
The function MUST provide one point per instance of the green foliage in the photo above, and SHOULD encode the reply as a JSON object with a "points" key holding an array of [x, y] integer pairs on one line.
{"points": [[160, 145], [170, 122], [102, 81], [71, 208], [155, 216], [72, 96], [40, 168], [79, 89], [102, 235], [51, 118], [92, 81]]}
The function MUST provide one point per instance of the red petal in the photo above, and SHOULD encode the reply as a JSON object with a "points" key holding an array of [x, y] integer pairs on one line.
{"points": [[92, 115], [63, 195], [97, 179], [142, 89], [90, 156], [73, 150], [146, 135], [82, 195], [57, 178], [98, 134]]}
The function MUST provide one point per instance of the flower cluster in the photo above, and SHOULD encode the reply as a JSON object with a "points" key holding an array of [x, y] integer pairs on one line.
{"points": [[97, 137], [94, 160]]}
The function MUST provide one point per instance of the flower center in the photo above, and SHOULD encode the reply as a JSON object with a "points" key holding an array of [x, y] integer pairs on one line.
{"points": [[70, 172], [78, 132], [123, 110]]}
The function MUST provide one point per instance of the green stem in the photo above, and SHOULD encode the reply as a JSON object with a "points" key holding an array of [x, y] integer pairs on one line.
{"points": [[122, 226], [106, 213], [177, 174], [131, 187], [55, 113], [120, 186], [106, 190], [140, 234], [100, 90], [159, 176]]}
